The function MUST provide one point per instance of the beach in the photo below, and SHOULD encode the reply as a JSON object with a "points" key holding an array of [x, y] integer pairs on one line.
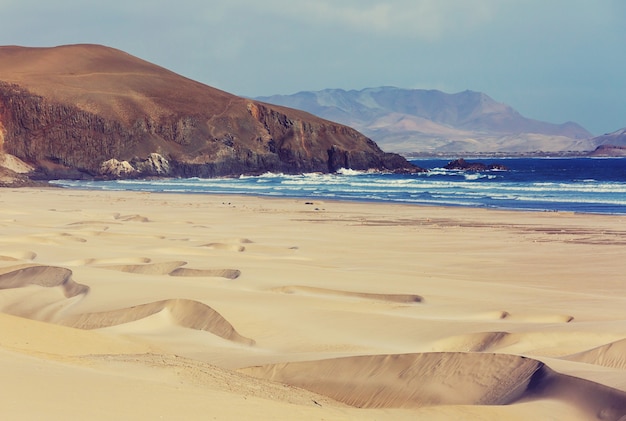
{"points": [[143, 306]]}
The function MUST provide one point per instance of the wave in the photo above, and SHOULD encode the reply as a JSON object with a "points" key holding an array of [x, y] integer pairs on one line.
{"points": [[532, 184], [347, 171]]}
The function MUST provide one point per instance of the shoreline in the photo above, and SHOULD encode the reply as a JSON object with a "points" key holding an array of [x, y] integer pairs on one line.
{"points": [[157, 299], [590, 188], [346, 200]]}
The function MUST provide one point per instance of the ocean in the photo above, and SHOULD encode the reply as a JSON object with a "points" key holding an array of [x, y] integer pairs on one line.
{"points": [[586, 185]]}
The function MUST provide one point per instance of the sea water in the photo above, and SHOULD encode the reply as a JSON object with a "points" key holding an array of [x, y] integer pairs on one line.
{"points": [[589, 185]]}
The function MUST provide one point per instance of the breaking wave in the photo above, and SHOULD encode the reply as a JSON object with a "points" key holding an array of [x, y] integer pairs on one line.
{"points": [[581, 185]]}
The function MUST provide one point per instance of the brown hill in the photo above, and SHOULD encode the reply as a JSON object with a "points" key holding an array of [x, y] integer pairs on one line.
{"points": [[84, 109]]}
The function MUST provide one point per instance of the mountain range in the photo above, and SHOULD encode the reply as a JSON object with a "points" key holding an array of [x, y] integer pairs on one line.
{"points": [[431, 121], [90, 110]]}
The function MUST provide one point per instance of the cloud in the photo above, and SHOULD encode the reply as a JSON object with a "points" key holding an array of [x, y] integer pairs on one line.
{"points": [[421, 19], [549, 59]]}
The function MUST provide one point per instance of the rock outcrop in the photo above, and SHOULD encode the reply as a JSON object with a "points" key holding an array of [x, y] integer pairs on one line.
{"points": [[13, 171], [612, 151], [116, 169], [462, 164], [154, 165], [9, 178], [88, 110]]}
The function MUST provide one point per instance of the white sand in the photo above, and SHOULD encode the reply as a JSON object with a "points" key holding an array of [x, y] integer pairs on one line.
{"points": [[157, 306]]}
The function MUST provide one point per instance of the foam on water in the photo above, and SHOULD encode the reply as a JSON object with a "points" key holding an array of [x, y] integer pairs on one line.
{"points": [[582, 185]]}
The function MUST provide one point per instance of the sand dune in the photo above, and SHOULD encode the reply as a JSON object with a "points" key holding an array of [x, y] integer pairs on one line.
{"points": [[173, 268], [610, 355], [45, 276], [39, 292], [112, 261], [523, 317], [539, 318], [130, 218], [410, 380], [394, 298], [218, 273], [57, 239], [416, 380], [163, 268], [473, 342], [33, 336], [17, 255], [224, 246], [185, 313], [597, 401], [552, 344], [80, 224], [515, 318]]}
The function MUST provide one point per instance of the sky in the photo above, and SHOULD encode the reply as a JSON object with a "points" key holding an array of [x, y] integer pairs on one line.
{"points": [[552, 60]]}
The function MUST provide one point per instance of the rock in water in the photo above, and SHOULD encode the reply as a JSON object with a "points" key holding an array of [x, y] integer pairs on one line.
{"points": [[462, 164]]}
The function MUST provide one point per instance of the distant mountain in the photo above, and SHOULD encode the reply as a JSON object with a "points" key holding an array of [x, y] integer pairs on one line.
{"points": [[616, 138], [416, 120], [611, 144], [80, 110]]}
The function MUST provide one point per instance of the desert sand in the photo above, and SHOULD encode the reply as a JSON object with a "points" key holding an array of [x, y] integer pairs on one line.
{"points": [[139, 306]]}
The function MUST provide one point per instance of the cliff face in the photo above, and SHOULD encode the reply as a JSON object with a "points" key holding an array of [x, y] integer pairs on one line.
{"points": [[67, 110], [56, 135]]}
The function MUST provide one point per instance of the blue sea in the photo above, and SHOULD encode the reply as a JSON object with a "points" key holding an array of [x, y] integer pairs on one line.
{"points": [[588, 185]]}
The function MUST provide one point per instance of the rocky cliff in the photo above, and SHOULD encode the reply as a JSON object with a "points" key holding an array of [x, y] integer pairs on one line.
{"points": [[88, 110]]}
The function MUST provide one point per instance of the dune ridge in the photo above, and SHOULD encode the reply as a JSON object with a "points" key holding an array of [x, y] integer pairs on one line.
{"points": [[410, 380], [217, 273], [225, 246], [611, 355], [112, 261], [596, 400], [472, 342], [173, 268], [394, 298], [163, 268], [185, 313], [449, 378], [45, 276], [18, 256]]}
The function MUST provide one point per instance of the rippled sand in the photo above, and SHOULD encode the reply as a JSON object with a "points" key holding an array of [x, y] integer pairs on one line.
{"points": [[159, 306]]}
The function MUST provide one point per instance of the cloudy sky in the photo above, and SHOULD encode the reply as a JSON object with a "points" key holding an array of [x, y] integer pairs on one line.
{"points": [[553, 60]]}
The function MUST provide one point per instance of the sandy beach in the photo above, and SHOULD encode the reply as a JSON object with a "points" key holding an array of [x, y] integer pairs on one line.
{"points": [[139, 306]]}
